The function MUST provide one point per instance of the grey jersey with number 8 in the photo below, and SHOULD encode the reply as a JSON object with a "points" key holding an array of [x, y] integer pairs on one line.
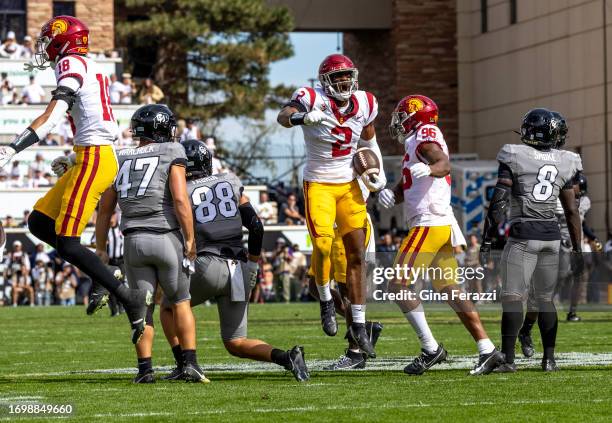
{"points": [[538, 177], [142, 186], [215, 200]]}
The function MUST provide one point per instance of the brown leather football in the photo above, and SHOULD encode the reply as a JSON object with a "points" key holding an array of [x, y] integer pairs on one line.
{"points": [[366, 161]]}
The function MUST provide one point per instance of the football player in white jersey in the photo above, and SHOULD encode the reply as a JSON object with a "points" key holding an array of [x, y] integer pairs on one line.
{"points": [[60, 216], [433, 231], [335, 117]]}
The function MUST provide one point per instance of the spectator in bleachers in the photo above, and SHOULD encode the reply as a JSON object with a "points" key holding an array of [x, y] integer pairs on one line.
{"points": [[266, 209], [15, 181], [150, 93], [24, 219], [65, 285], [129, 88], [83, 285], [40, 255], [9, 222], [289, 213], [64, 130], [38, 164], [7, 90], [209, 142], [27, 49], [49, 140], [39, 180], [193, 132], [19, 274], [4, 182], [115, 90], [387, 245], [125, 138], [33, 93], [10, 49], [42, 281]]}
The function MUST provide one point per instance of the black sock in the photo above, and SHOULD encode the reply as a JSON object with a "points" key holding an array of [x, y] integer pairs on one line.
{"points": [[527, 324], [189, 357], [512, 318], [43, 227], [280, 357], [71, 250], [547, 322], [145, 365], [177, 352]]}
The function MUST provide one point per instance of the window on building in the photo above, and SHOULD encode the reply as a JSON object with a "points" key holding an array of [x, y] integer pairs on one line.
{"points": [[484, 14], [13, 18], [63, 7], [512, 12]]}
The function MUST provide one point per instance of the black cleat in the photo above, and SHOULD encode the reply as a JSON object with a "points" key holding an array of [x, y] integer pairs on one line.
{"points": [[488, 362], [328, 318], [98, 298], [505, 368], [147, 377], [425, 361], [357, 332], [136, 310], [374, 329], [549, 365], [573, 317], [176, 374], [526, 344], [348, 361], [194, 373], [298, 364]]}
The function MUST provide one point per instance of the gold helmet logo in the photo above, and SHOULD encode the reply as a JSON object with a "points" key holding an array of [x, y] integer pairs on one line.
{"points": [[59, 27], [414, 105]]}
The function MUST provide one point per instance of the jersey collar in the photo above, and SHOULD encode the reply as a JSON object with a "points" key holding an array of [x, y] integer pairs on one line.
{"points": [[354, 108]]}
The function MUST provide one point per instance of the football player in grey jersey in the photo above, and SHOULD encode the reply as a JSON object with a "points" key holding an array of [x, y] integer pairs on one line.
{"points": [[151, 191], [224, 269], [531, 177]]}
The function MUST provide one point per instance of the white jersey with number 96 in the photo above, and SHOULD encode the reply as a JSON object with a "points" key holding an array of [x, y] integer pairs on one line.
{"points": [[330, 146]]}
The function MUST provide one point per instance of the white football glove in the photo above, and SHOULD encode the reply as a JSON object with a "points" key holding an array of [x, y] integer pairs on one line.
{"points": [[386, 198], [253, 268], [317, 117], [60, 165], [420, 170], [6, 154], [374, 182]]}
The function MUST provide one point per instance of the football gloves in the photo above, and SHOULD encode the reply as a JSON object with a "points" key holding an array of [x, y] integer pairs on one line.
{"points": [[6, 154], [386, 198], [420, 170], [317, 117], [373, 182], [253, 268], [60, 165]]}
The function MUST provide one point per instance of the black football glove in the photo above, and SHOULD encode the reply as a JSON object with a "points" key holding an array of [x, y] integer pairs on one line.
{"points": [[577, 262]]}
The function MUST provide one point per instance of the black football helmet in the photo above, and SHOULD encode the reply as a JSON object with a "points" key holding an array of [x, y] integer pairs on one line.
{"points": [[563, 129], [154, 123], [540, 129], [199, 159]]}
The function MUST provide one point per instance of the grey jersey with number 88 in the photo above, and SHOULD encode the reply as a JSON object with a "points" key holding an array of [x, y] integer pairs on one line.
{"points": [[215, 200], [142, 186], [538, 177]]}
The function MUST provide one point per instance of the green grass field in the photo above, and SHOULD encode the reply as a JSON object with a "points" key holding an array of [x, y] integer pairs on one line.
{"points": [[61, 356]]}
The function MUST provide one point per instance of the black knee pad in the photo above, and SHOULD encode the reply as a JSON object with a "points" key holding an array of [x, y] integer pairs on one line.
{"points": [[42, 227]]}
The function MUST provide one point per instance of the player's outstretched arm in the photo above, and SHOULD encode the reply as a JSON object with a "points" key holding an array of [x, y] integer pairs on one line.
{"points": [[106, 208], [182, 208], [284, 116]]}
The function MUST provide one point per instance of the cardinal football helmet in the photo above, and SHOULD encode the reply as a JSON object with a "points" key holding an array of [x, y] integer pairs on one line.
{"points": [[410, 114], [334, 66], [59, 37]]}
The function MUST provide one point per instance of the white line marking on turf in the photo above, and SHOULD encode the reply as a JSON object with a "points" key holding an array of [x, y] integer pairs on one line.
{"points": [[572, 359]]}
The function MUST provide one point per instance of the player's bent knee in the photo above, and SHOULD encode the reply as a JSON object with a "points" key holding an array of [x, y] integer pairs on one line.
{"points": [[323, 245], [235, 347], [42, 227]]}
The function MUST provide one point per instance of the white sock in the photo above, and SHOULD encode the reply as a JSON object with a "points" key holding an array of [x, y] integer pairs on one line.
{"points": [[417, 319], [358, 312], [324, 292], [485, 346]]}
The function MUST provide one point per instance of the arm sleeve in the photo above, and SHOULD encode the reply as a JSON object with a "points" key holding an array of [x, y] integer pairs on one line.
{"points": [[255, 227], [504, 171]]}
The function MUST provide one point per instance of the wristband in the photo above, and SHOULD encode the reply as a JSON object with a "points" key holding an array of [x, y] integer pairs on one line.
{"points": [[297, 118], [26, 139]]}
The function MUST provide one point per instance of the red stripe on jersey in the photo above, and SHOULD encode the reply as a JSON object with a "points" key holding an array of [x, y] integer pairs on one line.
{"points": [[75, 192], [418, 247], [408, 245], [72, 75], [313, 95], [370, 98], [90, 179], [343, 118]]}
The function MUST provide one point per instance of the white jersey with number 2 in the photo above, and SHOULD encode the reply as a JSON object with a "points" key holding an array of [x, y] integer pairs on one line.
{"points": [[91, 115], [330, 146]]}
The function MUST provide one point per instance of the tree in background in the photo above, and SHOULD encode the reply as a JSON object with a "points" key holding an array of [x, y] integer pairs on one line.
{"points": [[213, 56]]}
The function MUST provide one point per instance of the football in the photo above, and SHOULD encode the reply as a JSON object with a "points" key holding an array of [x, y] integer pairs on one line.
{"points": [[365, 161]]}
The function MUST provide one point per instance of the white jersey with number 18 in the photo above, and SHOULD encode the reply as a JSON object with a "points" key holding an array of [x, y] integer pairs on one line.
{"points": [[91, 115]]}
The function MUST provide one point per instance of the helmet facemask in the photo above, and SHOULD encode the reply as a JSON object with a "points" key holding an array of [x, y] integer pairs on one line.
{"points": [[341, 90], [40, 59], [397, 129]]}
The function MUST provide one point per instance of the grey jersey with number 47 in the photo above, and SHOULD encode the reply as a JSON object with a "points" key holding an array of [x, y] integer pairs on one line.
{"points": [[142, 186], [538, 177], [218, 225]]}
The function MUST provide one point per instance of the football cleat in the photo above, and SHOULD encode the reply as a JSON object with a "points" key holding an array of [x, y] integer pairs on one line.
{"points": [[298, 364], [194, 373], [549, 365], [98, 298], [328, 318], [348, 361], [488, 362], [505, 368], [136, 310], [357, 332], [374, 329], [176, 374], [526, 344], [147, 377], [573, 317], [425, 361]]}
